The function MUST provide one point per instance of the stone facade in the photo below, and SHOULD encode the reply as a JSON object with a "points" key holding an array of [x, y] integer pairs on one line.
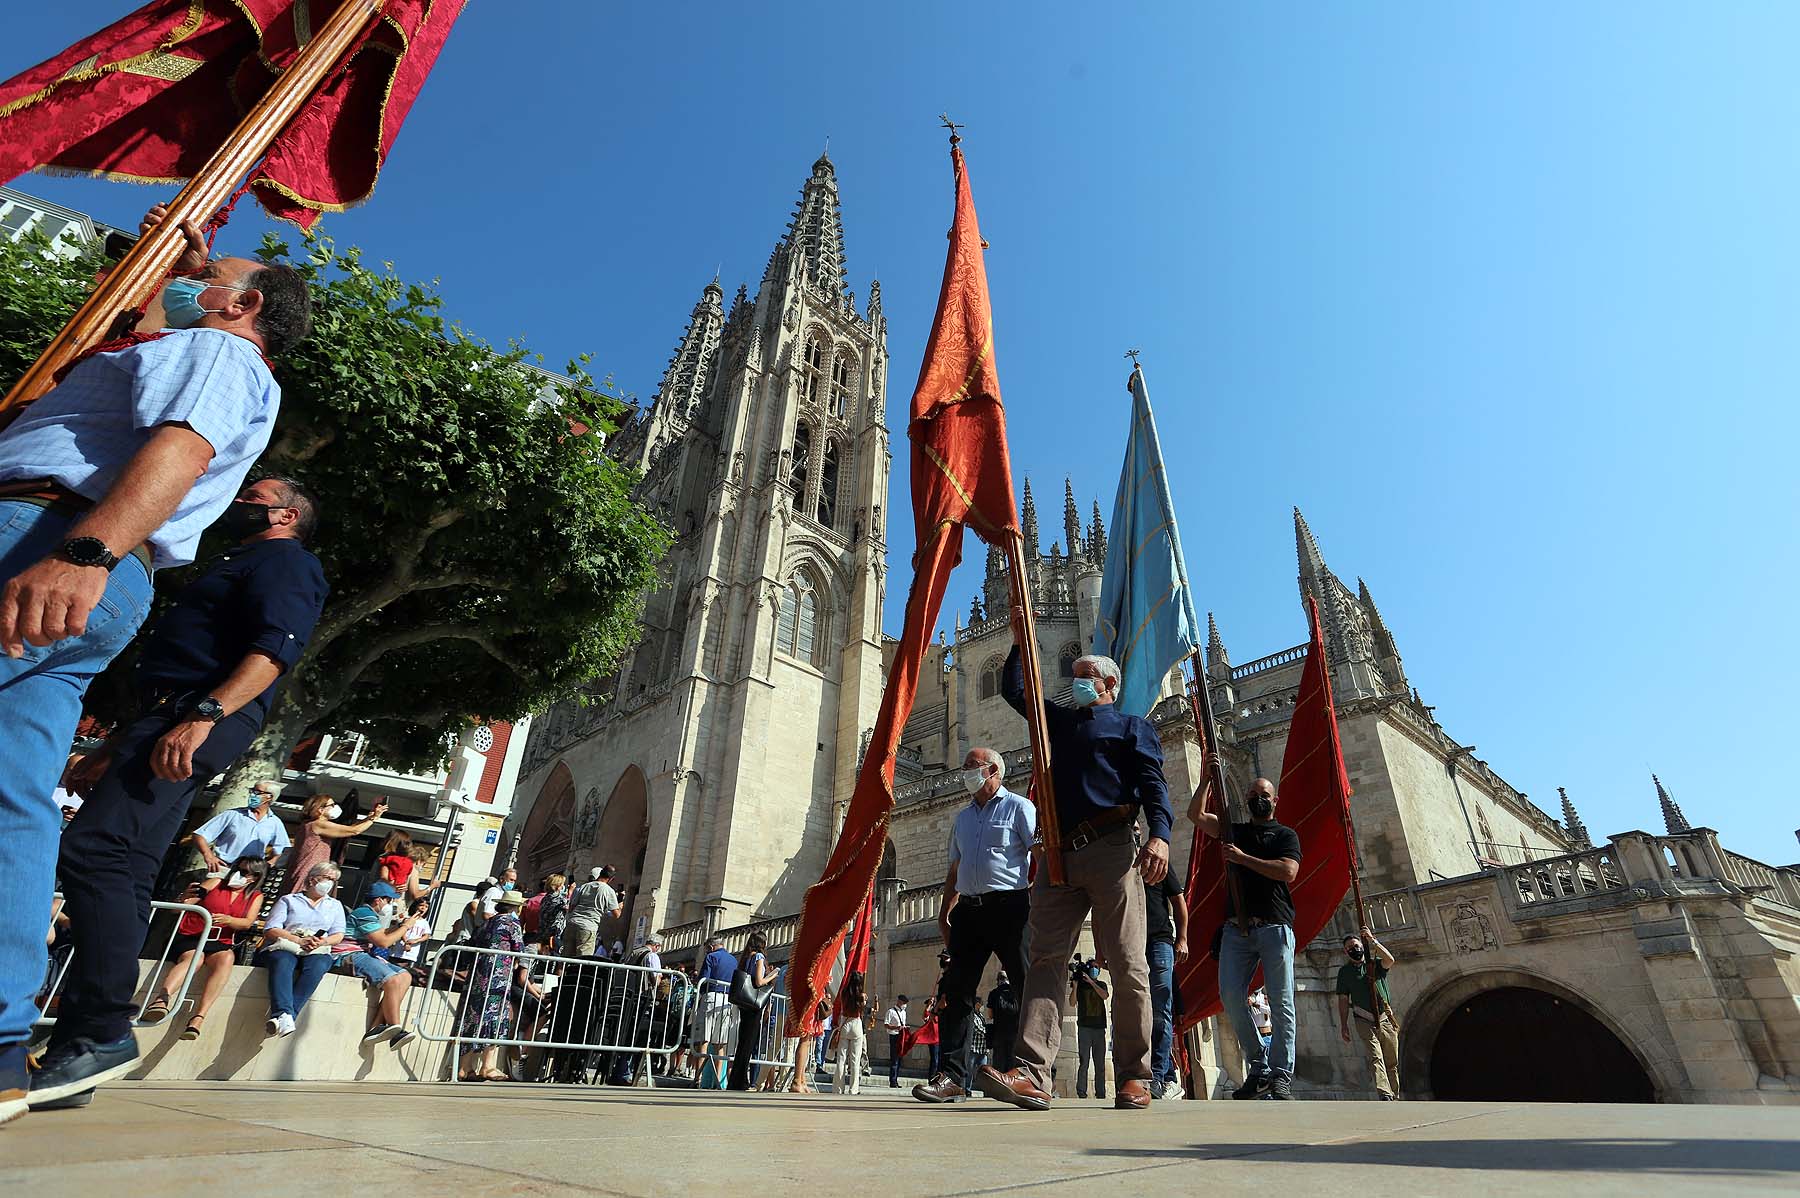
{"points": [[706, 767]]}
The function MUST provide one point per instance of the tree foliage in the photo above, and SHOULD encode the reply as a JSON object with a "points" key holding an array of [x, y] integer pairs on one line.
{"points": [[485, 555]]}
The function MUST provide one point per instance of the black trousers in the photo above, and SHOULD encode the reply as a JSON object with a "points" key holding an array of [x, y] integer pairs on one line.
{"points": [[749, 1043], [994, 926], [108, 864]]}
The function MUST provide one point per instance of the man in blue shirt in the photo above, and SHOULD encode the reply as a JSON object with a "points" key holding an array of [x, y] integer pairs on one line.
{"points": [[253, 830], [983, 910], [206, 678], [1106, 768], [714, 1000], [114, 471]]}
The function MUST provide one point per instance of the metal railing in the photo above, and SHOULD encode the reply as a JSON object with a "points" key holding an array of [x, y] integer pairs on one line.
{"points": [[56, 972], [576, 1012], [716, 1022]]}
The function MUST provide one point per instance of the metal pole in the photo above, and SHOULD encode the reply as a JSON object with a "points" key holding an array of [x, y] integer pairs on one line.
{"points": [[143, 268], [1025, 635]]}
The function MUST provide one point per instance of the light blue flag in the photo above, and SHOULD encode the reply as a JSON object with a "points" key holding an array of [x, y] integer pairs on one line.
{"points": [[1146, 621]]}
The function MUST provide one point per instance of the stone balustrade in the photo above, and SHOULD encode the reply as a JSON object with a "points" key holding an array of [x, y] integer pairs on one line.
{"points": [[1285, 657], [918, 904], [1571, 875], [683, 936], [1763, 881]]}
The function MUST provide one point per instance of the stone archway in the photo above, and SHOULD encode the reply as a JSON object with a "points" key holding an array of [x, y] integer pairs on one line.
{"points": [[544, 843], [623, 841], [1509, 1035]]}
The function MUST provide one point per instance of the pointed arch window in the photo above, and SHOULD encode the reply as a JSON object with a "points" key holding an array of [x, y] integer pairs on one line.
{"points": [[828, 482], [802, 460], [990, 679], [843, 374], [797, 621], [812, 369], [1065, 661]]}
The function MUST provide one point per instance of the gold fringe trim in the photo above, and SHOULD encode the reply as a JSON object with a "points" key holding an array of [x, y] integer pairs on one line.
{"points": [[184, 31]]}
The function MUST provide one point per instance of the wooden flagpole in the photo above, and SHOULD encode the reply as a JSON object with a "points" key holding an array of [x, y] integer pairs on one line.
{"points": [[1200, 699], [141, 271], [1025, 636]]}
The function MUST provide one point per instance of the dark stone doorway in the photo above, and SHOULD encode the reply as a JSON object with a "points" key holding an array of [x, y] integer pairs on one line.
{"points": [[1515, 1044]]}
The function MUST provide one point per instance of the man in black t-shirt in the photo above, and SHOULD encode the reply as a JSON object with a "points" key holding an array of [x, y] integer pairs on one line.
{"points": [[1265, 857], [1166, 930]]}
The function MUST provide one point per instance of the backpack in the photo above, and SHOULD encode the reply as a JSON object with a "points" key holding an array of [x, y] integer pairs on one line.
{"points": [[530, 912]]}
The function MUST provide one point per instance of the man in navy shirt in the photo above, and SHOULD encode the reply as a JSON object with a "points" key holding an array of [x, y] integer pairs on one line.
{"points": [[714, 1000], [1106, 768], [206, 678]]}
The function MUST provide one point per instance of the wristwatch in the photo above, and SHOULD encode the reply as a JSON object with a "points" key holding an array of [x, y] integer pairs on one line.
{"points": [[209, 708], [88, 551]]}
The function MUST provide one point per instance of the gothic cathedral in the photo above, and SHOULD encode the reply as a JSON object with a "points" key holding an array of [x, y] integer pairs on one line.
{"points": [[705, 769]]}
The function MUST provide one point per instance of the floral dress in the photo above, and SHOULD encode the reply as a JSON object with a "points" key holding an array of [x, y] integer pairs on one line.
{"points": [[309, 849], [484, 1017]]}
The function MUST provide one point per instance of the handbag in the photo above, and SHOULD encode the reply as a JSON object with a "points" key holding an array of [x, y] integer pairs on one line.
{"points": [[745, 995]]}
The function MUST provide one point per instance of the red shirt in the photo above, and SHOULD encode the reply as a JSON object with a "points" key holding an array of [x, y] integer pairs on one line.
{"points": [[220, 900], [399, 869]]}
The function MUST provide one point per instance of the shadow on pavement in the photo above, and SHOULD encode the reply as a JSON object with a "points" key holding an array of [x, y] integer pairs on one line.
{"points": [[1713, 1158]]}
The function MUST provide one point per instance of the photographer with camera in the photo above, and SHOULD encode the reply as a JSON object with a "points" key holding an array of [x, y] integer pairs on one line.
{"points": [[1088, 994]]}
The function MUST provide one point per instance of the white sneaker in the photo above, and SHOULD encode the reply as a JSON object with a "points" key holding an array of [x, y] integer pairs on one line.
{"points": [[284, 1025], [1171, 1090], [273, 1026]]}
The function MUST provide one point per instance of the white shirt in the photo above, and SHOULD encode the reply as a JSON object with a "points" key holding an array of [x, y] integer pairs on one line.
{"points": [[895, 1019]]}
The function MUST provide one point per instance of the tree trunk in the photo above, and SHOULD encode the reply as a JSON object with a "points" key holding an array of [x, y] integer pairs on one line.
{"points": [[266, 757]]}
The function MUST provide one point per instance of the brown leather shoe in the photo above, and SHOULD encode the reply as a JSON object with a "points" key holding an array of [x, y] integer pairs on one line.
{"points": [[1014, 1086], [1131, 1096], [940, 1089]]}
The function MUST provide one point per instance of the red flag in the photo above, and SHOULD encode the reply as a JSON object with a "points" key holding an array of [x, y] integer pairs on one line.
{"points": [[960, 476], [152, 96], [1315, 803]]}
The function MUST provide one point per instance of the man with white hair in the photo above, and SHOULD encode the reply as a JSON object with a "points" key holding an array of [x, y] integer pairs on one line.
{"points": [[595, 900], [983, 910], [1106, 768]]}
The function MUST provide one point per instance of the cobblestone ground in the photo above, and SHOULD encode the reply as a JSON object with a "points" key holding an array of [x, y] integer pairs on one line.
{"points": [[428, 1140]]}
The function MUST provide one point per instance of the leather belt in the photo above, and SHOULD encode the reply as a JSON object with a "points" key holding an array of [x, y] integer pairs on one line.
{"points": [[988, 896], [53, 494], [1088, 831]]}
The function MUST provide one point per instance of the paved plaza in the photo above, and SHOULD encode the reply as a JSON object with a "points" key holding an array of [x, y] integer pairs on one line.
{"points": [[295, 1138]]}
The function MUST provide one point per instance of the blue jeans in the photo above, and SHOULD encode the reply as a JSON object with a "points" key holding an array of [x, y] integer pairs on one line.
{"points": [[293, 978], [1271, 945], [40, 704], [1162, 1011], [370, 968]]}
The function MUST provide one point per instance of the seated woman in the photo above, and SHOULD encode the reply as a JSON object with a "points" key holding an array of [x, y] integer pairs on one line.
{"points": [[297, 943], [397, 866], [234, 901]]}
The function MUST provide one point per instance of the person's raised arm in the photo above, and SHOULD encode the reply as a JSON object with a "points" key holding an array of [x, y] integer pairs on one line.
{"points": [[335, 831], [1379, 949], [1200, 811]]}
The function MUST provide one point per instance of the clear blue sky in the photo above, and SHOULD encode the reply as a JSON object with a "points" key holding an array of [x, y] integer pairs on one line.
{"points": [[1503, 296]]}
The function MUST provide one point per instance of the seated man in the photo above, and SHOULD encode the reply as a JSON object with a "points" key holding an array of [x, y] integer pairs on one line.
{"points": [[367, 927]]}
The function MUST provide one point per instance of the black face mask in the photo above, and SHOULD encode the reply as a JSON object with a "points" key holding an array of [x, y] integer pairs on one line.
{"points": [[242, 520], [1355, 954], [1261, 806]]}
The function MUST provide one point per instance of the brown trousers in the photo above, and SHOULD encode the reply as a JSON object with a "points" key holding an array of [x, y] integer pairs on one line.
{"points": [[1101, 877], [1381, 1048]]}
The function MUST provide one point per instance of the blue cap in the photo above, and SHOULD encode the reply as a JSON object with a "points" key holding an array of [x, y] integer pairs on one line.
{"points": [[383, 890]]}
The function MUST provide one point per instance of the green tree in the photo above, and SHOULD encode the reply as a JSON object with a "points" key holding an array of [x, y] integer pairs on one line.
{"points": [[486, 556]]}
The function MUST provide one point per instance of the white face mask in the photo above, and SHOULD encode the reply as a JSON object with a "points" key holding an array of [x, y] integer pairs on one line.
{"points": [[333, 811], [236, 881], [974, 780], [322, 887]]}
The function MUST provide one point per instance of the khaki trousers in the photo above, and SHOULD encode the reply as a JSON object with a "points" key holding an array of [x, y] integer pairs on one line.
{"points": [[1101, 878], [1381, 1047]]}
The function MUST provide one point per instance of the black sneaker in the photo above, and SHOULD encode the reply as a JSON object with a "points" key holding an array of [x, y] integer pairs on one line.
{"points": [[70, 1103], [1255, 1086], [81, 1064], [380, 1031], [1280, 1090]]}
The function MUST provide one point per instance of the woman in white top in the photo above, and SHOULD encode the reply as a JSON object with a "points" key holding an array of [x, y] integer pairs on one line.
{"points": [[297, 944]]}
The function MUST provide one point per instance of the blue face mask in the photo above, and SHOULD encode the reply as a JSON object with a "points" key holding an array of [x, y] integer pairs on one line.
{"points": [[1087, 692], [181, 301]]}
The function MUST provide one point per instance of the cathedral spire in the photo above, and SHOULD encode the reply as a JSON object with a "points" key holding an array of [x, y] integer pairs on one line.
{"points": [[684, 383], [1217, 660], [1071, 518], [1097, 538], [1312, 563], [1029, 522], [1387, 654], [816, 233], [1578, 833], [1673, 819]]}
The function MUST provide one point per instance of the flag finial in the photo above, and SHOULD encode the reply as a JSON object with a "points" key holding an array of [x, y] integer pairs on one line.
{"points": [[1133, 355], [951, 125]]}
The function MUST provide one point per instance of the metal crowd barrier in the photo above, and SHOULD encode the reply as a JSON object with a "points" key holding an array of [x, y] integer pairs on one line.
{"points": [[57, 968], [717, 1022], [584, 1016]]}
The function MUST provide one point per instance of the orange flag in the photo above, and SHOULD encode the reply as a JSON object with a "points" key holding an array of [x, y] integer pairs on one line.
{"points": [[1315, 803], [961, 476]]}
